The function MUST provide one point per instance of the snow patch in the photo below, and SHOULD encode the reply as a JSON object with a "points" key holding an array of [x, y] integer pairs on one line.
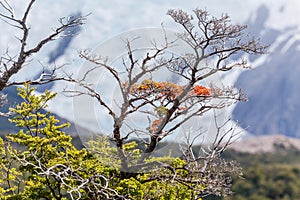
{"points": [[290, 42]]}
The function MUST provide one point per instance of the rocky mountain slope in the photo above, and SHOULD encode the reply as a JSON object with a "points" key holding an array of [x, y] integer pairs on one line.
{"points": [[266, 144], [273, 87]]}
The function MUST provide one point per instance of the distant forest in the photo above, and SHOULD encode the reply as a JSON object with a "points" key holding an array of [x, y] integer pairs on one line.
{"points": [[267, 176]]}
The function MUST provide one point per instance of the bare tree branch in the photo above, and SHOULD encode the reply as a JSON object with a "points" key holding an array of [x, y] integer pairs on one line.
{"points": [[213, 40], [12, 65]]}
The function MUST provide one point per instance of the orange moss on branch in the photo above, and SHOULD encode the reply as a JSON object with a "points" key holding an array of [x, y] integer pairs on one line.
{"points": [[201, 91], [168, 90]]}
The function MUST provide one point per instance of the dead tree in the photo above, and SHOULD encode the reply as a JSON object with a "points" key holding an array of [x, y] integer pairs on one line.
{"points": [[166, 105]]}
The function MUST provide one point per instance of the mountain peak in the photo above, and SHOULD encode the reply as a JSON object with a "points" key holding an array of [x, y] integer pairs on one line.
{"points": [[272, 87]]}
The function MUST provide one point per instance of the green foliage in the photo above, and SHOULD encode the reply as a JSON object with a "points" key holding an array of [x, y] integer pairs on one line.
{"points": [[153, 182], [46, 163], [161, 111], [280, 156], [270, 182], [268, 176], [40, 162]]}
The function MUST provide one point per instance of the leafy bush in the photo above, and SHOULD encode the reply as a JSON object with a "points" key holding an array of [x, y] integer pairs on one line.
{"points": [[45, 165]]}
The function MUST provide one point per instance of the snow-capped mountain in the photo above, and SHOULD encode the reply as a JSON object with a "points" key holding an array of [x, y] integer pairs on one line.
{"points": [[271, 86]]}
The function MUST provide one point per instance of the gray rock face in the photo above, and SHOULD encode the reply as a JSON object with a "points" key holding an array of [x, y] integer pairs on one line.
{"points": [[273, 88]]}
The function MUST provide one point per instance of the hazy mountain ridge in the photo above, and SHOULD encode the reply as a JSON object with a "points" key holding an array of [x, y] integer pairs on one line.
{"points": [[266, 144], [7, 127]]}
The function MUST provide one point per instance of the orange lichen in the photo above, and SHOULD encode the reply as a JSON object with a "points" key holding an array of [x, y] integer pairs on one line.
{"points": [[148, 87], [165, 90], [201, 90], [155, 124]]}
